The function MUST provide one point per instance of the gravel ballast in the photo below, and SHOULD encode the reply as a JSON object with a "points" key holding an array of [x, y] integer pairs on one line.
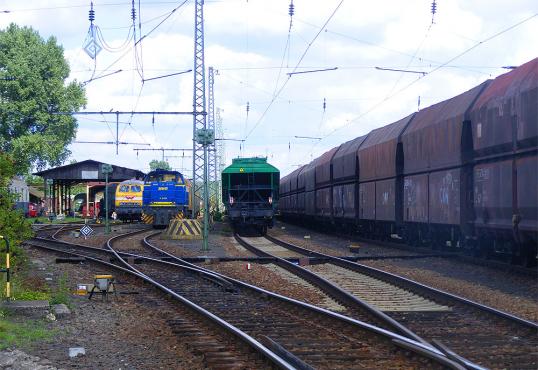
{"points": [[504, 290], [128, 332]]}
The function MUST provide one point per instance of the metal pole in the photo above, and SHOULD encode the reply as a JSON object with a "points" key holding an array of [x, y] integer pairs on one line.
{"points": [[45, 193], [7, 269], [87, 200], [107, 226], [199, 103], [205, 246], [117, 131]]}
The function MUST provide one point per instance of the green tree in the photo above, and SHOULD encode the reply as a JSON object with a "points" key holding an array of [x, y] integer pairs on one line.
{"points": [[13, 225], [163, 165], [33, 86]]}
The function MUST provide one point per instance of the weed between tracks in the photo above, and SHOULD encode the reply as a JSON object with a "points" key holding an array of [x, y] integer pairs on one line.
{"points": [[21, 334], [60, 294]]}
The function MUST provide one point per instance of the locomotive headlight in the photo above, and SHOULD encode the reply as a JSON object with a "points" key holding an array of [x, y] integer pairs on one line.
{"points": [[270, 200], [231, 200]]}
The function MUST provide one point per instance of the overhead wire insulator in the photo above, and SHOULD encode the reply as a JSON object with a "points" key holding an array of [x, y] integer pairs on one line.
{"points": [[434, 9], [248, 107], [133, 11], [291, 12], [324, 104], [91, 15]]}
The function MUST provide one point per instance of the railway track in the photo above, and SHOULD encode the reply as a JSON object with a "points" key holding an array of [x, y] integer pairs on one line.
{"points": [[425, 252], [481, 334], [301, 334]]}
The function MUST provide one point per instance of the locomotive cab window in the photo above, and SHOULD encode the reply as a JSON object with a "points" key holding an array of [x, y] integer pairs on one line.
{"points": [[124, 188], [136, 188]]}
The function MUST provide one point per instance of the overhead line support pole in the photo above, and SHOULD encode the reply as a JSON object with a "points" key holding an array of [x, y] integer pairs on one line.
{"points": [[201, 137], [212, 155]]}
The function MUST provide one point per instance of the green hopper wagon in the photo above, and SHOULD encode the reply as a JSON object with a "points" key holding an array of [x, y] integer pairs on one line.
{"points": [[250, 193]]}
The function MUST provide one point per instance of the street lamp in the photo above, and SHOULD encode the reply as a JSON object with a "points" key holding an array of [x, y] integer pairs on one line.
{"points": [[106, 169]]}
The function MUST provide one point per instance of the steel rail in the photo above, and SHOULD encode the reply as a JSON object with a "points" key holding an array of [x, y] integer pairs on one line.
{"points": [[303, 272], [335, 291], [402, 281], [400, 340], [253, 343]]}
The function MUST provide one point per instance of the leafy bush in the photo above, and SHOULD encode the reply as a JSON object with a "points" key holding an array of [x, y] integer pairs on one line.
{"points": [[13, 225]]}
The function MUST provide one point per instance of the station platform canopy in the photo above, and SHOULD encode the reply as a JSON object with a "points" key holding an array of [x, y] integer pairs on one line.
{"points": [[88, 170], [59, 180]]}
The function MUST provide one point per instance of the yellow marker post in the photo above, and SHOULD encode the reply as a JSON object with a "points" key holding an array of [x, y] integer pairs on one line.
{"points": [[7, 269]]}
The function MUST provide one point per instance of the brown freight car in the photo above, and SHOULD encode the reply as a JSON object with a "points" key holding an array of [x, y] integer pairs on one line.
{"points": [[323, 169], [460, 173], [505, 137], [436, 145], [345, 165], [380, 163]]}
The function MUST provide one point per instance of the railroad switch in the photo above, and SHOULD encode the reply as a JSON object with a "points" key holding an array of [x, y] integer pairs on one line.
{"points": [[104, 284]]}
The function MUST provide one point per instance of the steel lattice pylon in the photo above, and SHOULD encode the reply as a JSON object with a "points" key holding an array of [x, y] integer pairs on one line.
{"points": [[212, 152], [221, 155], [199, 105]]}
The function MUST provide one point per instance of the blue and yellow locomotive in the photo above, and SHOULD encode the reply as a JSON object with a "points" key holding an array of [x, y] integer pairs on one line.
{"points": [[166, 196]]}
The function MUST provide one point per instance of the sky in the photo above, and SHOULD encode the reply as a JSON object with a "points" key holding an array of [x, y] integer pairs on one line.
{"points": [[344, 46]]}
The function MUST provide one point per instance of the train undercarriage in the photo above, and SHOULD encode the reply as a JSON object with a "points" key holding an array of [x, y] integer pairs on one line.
{"points": [[515, 247]]}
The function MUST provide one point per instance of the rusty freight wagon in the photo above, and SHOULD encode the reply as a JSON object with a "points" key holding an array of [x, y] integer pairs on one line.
{"points": [[460, 174]]}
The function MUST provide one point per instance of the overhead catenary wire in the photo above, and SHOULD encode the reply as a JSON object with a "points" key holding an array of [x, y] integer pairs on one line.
{"points": [[172, 12], [294, 69], [286, 47], [479, 43]]}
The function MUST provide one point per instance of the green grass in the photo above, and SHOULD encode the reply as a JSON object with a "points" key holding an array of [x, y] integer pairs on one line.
{"points": [[24, 289], [21, 334], [61, 293], [45, 220]]}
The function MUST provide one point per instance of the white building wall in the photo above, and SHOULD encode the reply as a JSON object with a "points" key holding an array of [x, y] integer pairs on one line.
{"points": [[19, 187]]}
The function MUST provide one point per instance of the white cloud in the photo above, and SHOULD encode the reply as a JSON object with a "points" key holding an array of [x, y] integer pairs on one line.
{"points": [[244, 39]]}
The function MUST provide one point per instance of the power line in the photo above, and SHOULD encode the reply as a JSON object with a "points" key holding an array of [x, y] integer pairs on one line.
{"points": [[162, 150], [168, 75], [313, 71], [295, 69], [84, 83], [143, 37], [432, 71], [117, 142], [400, 70]]}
